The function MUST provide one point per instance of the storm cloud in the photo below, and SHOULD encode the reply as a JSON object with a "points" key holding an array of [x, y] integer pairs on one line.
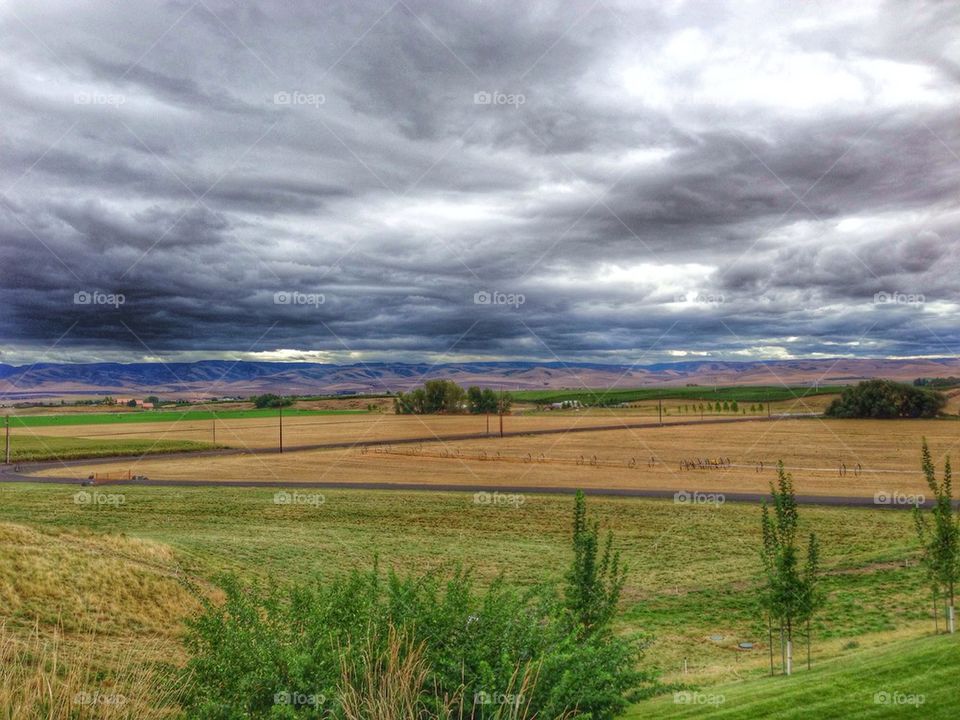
{"points": [[574, 181]]}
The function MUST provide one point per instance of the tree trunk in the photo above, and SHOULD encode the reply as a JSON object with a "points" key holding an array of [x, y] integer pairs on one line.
{"points": [[789, 667], [783, 648], [936, 613], [770, 642], [950, 613]]}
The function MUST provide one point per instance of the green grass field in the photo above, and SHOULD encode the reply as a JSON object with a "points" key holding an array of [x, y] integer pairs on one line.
{"points": [[27, 448], [151, 416], [707, 393], [912, 678], [693, 569]]}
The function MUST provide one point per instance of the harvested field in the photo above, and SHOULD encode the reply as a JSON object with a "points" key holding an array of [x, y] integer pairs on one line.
{"points": [[840, 457]]}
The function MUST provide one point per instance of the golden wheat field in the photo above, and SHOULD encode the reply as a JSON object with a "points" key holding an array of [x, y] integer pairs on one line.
{"points": [[835, 457], [263, 432]]}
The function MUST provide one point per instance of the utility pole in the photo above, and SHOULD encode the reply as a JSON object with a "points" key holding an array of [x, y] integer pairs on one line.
{"points": [[281, 429], [500, 408], [488, 423], [768, 408], [7, 453], [660, 410], [214, 431]]}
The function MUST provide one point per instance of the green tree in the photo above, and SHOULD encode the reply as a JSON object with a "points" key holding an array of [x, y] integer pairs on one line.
{"points": [[475, 399], [940, 538], [884, 399], [791, 595], [594, 581], [271, 400]]}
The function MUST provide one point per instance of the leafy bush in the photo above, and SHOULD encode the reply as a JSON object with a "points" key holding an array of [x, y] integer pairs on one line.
{"points": [[436, 644], [270, 400], [886, 399]]}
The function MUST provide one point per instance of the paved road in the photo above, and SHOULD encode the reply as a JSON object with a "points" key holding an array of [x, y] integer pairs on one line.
{"points": [[686, 496]]}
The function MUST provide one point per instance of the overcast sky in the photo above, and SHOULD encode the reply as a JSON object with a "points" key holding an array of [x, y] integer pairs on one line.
{"points": [[594, 181]]}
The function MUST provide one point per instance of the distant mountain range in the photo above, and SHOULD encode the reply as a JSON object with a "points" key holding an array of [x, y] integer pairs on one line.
{"points": [[225, 378]]}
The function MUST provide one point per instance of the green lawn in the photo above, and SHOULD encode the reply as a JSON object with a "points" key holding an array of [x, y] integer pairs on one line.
{"points": [[149, 416], [914, 678], [26, 448], [693, 569], [742, 394]]}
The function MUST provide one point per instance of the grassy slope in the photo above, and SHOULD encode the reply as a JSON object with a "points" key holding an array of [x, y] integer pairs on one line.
{"points": [[841, 688], [26, 448], [147, 416], [742, 394], [693, 568]]}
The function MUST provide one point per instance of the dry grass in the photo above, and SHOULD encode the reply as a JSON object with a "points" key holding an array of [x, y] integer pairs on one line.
{"points": [[813, 450], [306, 430], [109, 584], [393, 683], [44, 678]]}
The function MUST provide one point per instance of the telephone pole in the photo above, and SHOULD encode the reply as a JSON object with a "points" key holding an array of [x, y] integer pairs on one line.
{"points": [[500, 408], [214, 431], [660, 410], [281, 429], [7, 453]]}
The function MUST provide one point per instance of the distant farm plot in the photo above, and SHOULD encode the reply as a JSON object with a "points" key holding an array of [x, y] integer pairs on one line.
{"points": [[840, 457], [313, 429], [160, 416], [28, 448], [705, 393]]}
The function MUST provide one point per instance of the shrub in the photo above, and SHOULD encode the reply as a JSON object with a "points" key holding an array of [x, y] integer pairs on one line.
{"points": [[886, 399], [269, 400], [440, 646]]}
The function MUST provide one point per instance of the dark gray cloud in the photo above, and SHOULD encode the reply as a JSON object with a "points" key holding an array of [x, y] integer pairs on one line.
{"points": [[350, 181]]}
